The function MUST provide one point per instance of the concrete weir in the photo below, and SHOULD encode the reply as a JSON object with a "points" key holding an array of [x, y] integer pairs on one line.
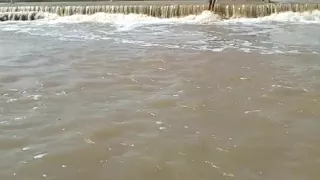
{"points": [[33, 11], [20, 16]]}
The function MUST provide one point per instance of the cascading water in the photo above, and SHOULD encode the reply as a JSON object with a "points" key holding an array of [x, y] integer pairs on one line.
{"points": [[160, 11]]}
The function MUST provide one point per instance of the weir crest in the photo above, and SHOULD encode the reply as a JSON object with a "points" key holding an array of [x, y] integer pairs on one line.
{"points": [[160, 11]]}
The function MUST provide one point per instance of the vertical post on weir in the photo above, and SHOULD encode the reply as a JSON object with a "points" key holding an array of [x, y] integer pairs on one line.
{"points": [[12, 1], [211, 5]]}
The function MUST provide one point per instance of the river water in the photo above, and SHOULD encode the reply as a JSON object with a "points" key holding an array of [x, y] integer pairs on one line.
{"points": [[112, 96]]}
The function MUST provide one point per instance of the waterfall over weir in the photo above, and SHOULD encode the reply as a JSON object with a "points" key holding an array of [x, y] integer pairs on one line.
{"points": [[160, 11]]}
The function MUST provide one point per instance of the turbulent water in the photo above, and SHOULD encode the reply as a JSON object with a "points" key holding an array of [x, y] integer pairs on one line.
{"points": [[225, 11], [113, 96]]}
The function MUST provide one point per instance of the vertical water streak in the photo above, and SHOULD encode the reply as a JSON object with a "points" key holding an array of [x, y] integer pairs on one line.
{"points": [[161, 11]]}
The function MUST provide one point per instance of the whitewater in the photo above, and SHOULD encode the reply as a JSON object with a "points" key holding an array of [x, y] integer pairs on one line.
{"points": [[51, 24], [204, 17]]}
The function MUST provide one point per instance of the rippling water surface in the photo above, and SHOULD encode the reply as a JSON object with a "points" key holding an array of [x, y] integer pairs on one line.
{"points": [[134, 97]]}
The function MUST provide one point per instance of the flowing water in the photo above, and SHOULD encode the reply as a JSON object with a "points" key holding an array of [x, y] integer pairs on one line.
{"points": [[114, 96], [225, 11]]}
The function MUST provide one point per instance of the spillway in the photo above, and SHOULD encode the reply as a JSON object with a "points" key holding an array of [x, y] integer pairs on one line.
{"points": [[161, 11]]}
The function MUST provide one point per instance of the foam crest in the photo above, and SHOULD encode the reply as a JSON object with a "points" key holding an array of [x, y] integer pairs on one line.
{"points": [[308, 17], [291, 17], [204, 17], [48, 16]]}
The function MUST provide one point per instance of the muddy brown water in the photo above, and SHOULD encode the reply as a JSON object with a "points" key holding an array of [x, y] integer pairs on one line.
{"points": [[133, 97]]}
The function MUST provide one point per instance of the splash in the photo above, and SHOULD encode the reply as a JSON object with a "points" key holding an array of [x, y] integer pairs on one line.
{"points": [[122, 19], [129, 20], [206, 17], [284, 17], [224, 11]]}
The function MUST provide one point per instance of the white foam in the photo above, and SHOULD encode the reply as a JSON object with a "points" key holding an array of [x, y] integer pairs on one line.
{"points": [[25, 148], [159, 122], [48, 16], [35, 97], [154, 26], [292, 17], [306, 17], [128, 19], [162, 128], [204, 18], [39, 156], [12, 100]]}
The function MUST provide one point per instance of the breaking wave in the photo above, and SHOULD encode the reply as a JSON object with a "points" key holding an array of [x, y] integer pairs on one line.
{"points": [[291, 17], [206, 17]]}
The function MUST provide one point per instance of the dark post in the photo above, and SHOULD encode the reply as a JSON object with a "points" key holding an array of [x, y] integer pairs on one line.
{"points": [[12, 1], [211, 5]]}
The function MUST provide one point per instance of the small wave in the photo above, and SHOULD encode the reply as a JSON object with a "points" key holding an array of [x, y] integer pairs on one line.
{"points": [[204, 17], [291, 17], [48, 16], [305, 17]]}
